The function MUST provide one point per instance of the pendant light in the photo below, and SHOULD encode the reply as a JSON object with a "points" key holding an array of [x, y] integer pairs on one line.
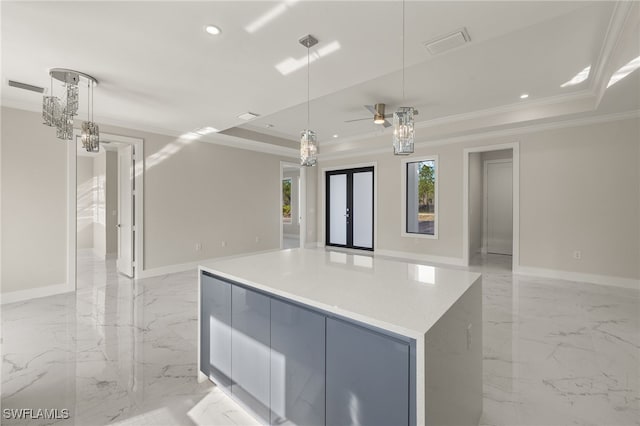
{"points": [[90, 131], [308, 139], [403, 128], [59, 112]]}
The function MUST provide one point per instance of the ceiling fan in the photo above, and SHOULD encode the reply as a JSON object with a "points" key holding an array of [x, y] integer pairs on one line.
{"points": [[379, 117]]}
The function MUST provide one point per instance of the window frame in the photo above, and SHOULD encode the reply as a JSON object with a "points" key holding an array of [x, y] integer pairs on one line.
{"points": [[404, 190]]}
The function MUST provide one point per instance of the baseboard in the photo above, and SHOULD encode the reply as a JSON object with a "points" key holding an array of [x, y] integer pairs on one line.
{"points": [[313, 245], [606, 280], [182, 267], [291, 235], [34, 293], [404, 255]]}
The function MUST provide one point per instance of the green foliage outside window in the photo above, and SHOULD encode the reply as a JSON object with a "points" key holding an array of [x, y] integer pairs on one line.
{"points": [[286, 199]]}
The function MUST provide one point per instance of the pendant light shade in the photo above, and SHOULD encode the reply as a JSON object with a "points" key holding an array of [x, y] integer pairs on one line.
{"points": [[308, 139], [403, 124], [308, 148], [403, 133]]}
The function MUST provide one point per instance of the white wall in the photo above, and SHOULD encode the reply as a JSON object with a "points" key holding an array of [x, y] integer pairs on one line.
{"points": [[99, 223], [34, 203], [189, 198], [579, 190], [293, 228], [111, 202], [85, 191]]}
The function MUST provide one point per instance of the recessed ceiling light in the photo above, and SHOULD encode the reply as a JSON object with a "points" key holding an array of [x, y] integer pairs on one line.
{"points": [[212, 29], [524, 96], [335, 136]]}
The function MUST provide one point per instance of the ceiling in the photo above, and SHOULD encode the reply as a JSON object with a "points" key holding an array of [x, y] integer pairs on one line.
{"points": [[158, 70]]}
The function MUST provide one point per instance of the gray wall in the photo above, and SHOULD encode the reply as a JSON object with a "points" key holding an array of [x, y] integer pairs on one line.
{"points": [[579, 190], [475, 203], [34, 203], [189, 197]]}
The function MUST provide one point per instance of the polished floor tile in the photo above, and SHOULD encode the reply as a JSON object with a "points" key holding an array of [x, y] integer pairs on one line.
{"points": [[123, 352]]}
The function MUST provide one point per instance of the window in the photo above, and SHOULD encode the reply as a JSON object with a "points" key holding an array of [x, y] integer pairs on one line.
{"points": [[420, 207], [286, 200]]}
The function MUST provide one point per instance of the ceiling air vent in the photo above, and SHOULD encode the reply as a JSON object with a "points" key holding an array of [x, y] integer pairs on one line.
{"points": [[26, 86], [450, 41]]}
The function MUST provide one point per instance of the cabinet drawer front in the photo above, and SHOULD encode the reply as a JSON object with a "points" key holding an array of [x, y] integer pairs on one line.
{"points": [[215, 330], [250, 349], [367, 377], [297, 365]]}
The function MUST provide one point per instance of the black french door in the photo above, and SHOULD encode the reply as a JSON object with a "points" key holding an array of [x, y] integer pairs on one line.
{"points": [[349, 208]]}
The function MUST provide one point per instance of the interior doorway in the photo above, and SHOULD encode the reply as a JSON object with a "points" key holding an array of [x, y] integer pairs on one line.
{"points": [[491, 204], [292, 205], [105, 206]]}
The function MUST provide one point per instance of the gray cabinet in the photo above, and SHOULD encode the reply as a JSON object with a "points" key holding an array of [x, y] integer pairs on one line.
{"points": [[293, 365], [215, 331], [367, 377], [250, 349], [297, 365]]}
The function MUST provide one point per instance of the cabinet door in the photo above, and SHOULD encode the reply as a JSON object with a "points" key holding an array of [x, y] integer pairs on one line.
{"points": [[250, 349], [367, 377], [215, 330], [297, 365]]}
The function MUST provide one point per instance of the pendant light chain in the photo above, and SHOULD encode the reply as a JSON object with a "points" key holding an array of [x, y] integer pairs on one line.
{"points": [[308, 90], [403, 49]]}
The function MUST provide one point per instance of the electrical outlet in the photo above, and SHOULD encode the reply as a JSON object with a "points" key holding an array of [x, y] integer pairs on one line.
{"points": [[223, 243], [577, 255], [469, 336], [257, 239], [198, 246]]}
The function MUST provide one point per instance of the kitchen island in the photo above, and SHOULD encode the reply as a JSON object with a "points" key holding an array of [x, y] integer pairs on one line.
{"points": [[313, 337]]}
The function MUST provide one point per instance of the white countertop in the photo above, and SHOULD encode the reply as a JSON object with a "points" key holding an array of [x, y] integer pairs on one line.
{"points": [[405, 298]]}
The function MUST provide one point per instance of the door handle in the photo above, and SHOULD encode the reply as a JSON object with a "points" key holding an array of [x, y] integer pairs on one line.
{"points": [[118, 226]]}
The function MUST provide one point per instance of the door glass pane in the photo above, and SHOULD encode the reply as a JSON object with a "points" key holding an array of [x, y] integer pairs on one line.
{"points": [[338, 209], [363, 209], [286, 200]]}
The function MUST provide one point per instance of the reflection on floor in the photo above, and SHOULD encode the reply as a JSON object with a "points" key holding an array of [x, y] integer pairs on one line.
{"points": [[123, 352], [290, 242]]}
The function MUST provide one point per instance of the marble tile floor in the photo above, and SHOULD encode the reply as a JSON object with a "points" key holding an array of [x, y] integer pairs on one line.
{"points": [[123, 352]]}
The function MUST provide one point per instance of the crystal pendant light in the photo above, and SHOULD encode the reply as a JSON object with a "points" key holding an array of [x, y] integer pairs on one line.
{"points": [[308, 140], [60, 112], [403, 129], [90, 132]]}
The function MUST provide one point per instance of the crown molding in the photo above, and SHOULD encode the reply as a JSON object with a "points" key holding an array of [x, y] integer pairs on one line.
{"points": [[585, 96], [620, 18], [583, 121], [216, 139]]}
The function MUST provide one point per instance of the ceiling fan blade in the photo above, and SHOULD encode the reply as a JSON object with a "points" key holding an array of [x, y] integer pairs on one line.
{"points": [[371, 108], [386, 124], [358, 119]]}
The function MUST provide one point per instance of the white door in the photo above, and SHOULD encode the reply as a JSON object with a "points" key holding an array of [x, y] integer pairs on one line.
{"points": [[499, 207], [125, 210]]}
